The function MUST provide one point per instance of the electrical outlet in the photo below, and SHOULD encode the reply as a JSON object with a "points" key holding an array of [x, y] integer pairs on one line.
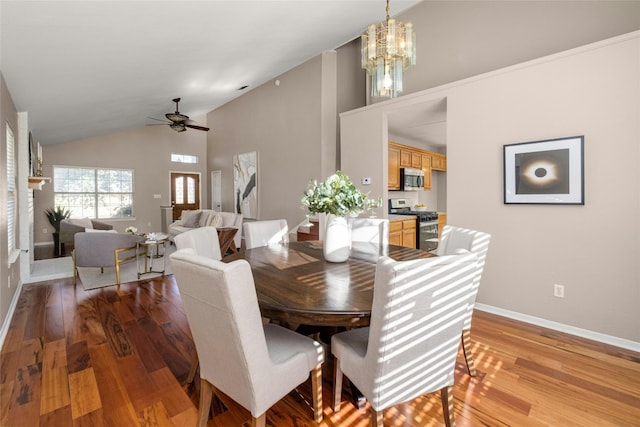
{"points": [[366, 181], [558, 291], [148, 224], [45, 230]]}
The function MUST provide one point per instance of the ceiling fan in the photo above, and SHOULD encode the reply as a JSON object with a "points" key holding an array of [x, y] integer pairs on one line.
{"points": [[180, 122]]}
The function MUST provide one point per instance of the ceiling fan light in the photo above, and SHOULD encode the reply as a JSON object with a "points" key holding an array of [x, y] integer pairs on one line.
{"points": [[176, 117], [178, 127]]}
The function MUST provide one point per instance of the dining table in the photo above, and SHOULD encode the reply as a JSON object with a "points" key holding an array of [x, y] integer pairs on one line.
{"points": [[296, 286]]}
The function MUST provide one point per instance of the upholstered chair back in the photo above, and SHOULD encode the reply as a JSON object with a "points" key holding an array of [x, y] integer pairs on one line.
{"points": [[369, 230], [476, 242], [97, 249], [204, 241], [265, 233]]}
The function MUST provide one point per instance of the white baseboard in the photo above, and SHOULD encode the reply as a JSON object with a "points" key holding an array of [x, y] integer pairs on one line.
{"points": [[572, 330], [12, 308]]}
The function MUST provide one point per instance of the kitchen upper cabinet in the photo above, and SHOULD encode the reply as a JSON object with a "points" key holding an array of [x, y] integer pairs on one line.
{"points": [[394, 168], [426, 168], [403, 156], [410, 159], [438, 162]]}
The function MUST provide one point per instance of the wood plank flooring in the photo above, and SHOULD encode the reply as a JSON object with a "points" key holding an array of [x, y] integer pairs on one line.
{"points": [[119, 357]]}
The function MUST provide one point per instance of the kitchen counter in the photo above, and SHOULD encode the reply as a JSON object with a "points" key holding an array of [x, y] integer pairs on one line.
{"points": [[396, 216]]}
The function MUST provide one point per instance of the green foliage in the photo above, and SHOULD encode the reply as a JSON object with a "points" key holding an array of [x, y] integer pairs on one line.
{"points": [[337, 195], [56, 215]]}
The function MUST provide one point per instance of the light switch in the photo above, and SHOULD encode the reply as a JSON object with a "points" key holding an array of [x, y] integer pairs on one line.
{"points": [[157, 196]]}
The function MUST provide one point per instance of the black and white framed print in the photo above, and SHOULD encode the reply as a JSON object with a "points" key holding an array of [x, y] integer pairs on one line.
{"points": [[545, 172]]}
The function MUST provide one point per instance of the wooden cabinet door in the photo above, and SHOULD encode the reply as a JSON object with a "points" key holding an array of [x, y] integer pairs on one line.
{"points": [[426, 168], [438, 162], [416, 160], [409, 233], [394, 169], [395, 232], [405, 158]]}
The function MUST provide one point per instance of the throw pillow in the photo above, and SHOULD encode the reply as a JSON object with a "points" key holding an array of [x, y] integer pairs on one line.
{"points": [[215, 220], [205, 216], [191, 220]]}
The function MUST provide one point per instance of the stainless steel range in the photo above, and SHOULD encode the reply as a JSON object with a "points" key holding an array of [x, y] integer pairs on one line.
{"points": [[426, 223]]}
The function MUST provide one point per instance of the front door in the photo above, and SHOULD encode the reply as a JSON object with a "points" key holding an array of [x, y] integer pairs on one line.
{"points": [[185, 192]]}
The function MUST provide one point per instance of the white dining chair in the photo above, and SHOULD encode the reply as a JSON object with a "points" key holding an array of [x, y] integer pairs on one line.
{"points": [[256, 365], [477, 242], [410, 347], [369, 230], [203, 240], [265, 233]]}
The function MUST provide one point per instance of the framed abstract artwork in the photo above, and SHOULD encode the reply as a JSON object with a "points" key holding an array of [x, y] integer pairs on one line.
{"points": [[545, 172], [245, 184]]}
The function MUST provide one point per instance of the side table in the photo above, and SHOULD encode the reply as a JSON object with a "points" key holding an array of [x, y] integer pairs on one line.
{"points": [[225, 236], [156, 248]]}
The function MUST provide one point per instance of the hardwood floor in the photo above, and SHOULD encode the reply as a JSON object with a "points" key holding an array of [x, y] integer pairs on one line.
{"points": [[118, 357]]}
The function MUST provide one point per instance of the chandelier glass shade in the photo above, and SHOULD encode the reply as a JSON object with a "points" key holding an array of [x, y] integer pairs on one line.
{"points": [[388, 49]]}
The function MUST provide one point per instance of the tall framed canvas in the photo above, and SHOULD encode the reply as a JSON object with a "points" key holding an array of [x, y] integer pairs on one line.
{"points": [[545, 172], [245, 184]]}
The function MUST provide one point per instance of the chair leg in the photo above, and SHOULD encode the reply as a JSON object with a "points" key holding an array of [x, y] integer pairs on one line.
{"points": [[466, 348], [260, 421], [337, 385], [206, 394], [377, 418], [194, 366], [446, 395], [316, 384], [75, 268]]}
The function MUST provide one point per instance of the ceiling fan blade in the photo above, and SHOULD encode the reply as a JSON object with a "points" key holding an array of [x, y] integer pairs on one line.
{"points": [[160, 120], [194, 125]]}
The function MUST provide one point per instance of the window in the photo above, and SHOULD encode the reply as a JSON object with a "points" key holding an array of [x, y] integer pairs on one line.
{"points": [[94, 193], [183, 158], [11, 195]]}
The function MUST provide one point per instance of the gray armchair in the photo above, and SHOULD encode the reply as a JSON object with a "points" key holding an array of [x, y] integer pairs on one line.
{"points": [[69, 227], [105, 250]]}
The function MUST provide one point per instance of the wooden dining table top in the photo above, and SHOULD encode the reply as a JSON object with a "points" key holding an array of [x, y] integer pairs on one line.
{"points": [[296, 286]]}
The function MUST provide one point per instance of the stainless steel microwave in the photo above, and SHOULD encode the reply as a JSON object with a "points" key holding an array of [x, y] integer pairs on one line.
{"points": [[411, 179]]}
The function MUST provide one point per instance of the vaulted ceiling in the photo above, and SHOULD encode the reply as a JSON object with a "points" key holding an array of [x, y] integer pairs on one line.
{"points": [[87, 68]]}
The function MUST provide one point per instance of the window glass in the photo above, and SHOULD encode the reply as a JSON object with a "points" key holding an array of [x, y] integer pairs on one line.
{"points": [[94, 193]]}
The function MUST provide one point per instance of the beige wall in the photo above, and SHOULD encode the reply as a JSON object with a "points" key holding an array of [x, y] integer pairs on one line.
{"points": [[592, 250], [147, 151], [460, 39], [9, 273]]}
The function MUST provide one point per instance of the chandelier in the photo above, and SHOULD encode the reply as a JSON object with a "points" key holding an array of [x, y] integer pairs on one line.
{"points": [[388, 49]]}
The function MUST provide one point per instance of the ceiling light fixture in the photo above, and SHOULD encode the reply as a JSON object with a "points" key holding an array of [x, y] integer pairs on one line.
{"points": [[388, 49]]}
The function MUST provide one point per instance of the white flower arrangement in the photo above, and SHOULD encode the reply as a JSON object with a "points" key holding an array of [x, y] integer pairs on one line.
{"points": [[131, 230]]}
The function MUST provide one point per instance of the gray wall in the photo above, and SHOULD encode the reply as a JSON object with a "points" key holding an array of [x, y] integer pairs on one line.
{"points": [[292, 127], [9, 273]]}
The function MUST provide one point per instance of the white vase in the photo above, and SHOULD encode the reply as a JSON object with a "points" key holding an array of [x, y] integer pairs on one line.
{"points": [[337, 239]]}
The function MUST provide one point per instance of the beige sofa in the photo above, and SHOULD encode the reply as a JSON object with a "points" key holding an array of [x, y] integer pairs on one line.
{"points": [[207, 218]]}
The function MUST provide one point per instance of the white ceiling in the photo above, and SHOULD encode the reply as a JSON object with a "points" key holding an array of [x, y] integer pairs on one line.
{"points": [[87, 68]]}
